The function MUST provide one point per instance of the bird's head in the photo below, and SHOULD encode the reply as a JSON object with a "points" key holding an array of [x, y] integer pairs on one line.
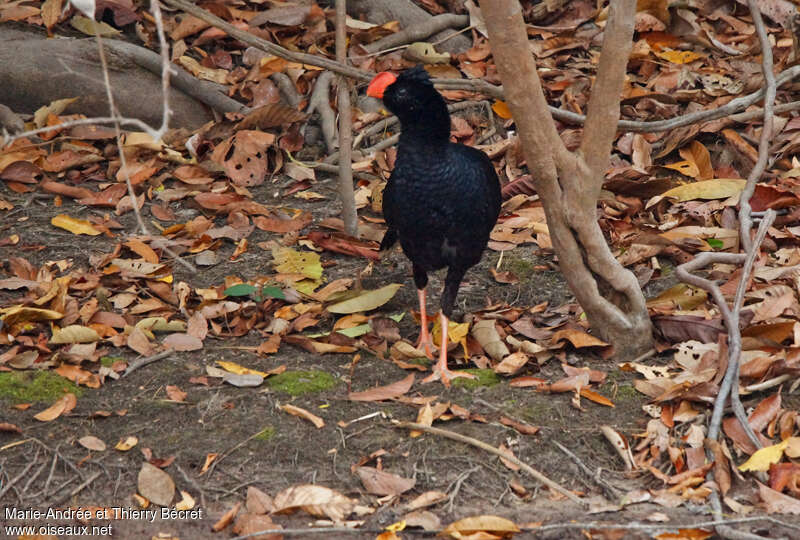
{"points": [[407, 95]]}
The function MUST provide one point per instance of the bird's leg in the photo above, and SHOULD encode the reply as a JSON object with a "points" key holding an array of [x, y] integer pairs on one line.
{"points": [[425, 340], [421, 281], [440, 370]]}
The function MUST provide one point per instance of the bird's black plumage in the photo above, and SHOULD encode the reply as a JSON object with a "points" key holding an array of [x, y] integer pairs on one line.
{"points": [[442, 198]]}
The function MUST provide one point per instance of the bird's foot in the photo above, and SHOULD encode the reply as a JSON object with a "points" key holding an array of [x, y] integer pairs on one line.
{"points": [[425, 342], [445, 375]]}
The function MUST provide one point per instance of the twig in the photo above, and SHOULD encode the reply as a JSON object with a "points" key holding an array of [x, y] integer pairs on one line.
{"points": [[610, 491], [18, 477], [191, 481], [457, 486], [78, 489], [287, 88], [141, 362], [492, 450], [346, 193]]}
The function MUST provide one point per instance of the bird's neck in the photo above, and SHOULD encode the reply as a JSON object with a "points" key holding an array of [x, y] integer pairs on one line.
{"points": [[429, 126]]}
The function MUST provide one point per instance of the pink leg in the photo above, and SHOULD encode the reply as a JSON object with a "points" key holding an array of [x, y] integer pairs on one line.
{"points": [[440, 370], [424, 336]]}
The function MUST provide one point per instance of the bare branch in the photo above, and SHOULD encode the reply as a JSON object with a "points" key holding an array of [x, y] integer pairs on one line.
{"points": [[745, 222], [434, 25], [603, 109], [346, 193], [492, 450]]}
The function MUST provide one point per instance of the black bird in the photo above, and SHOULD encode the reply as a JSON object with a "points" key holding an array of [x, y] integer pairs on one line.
{"points": [[441, 200]]}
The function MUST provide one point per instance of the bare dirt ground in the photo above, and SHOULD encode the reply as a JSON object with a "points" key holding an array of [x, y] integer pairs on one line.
{"points": [[227, 420]]}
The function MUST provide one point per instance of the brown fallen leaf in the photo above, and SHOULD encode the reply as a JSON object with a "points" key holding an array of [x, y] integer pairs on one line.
{"points": [[314, 499], [226, 518], [383, 483], [381, 393], [494, 525], [64, 405], [91, 442], [258, 502], [302, 413], [155, 485], [523, 428]]}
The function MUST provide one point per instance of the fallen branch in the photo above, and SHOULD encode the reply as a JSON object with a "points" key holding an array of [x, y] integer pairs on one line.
{"points": [[141, 362], [434, 25], [492, 450]]}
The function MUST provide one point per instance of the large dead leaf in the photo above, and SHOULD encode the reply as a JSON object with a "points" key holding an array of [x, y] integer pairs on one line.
{"points": [[316, 500], [64, 404], [155, 485], [302, 413], [381, 393], [74, 225], [366, 300], [476, 524], [719, 188], [383, 483]]}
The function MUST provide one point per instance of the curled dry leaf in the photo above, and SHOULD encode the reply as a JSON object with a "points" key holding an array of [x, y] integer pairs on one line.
{"points": [[383, 483], [302, 413], [429, 498], [127, 443], [486, 334], [314, 499], [64, 405], [620, 445], [227, 518]]}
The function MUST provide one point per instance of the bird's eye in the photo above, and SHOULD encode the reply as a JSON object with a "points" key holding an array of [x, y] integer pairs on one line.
{"points": [[401, 92]]}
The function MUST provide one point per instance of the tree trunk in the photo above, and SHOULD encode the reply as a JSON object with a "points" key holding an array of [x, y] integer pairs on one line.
{"points": [[570, 183]]}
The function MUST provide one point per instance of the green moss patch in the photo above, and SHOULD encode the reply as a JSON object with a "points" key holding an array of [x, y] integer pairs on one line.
{"points": [[33, 386], [297, 383], [265, 434], [485, 377]]}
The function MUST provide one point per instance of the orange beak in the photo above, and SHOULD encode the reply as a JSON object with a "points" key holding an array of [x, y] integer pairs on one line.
{"points": [[379, 83]]}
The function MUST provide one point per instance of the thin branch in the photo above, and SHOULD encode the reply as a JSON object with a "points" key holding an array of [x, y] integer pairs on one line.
{"points": [[745, 221], [418, 32], [155, 8], [603, 109], [320, 103], [492, 450], [346, 193]]}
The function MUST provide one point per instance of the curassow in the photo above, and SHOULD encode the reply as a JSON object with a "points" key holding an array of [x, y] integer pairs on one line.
{"points": [[441, 200]]}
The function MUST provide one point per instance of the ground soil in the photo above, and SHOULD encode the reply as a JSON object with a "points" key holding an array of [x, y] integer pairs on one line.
{"points": [[223, 419]]}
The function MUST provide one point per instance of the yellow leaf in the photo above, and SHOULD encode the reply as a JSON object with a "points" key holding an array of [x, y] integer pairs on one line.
{"points": [[501, 109], [396, 527], [456, 333], [719, 188], [762, 459], [686, 168], [74, 225], [681, 295], [127, 443], [233, 367], [680, 57], [366, 300], [489, 524], [289, 261], [14, 314], [74, 333]]}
